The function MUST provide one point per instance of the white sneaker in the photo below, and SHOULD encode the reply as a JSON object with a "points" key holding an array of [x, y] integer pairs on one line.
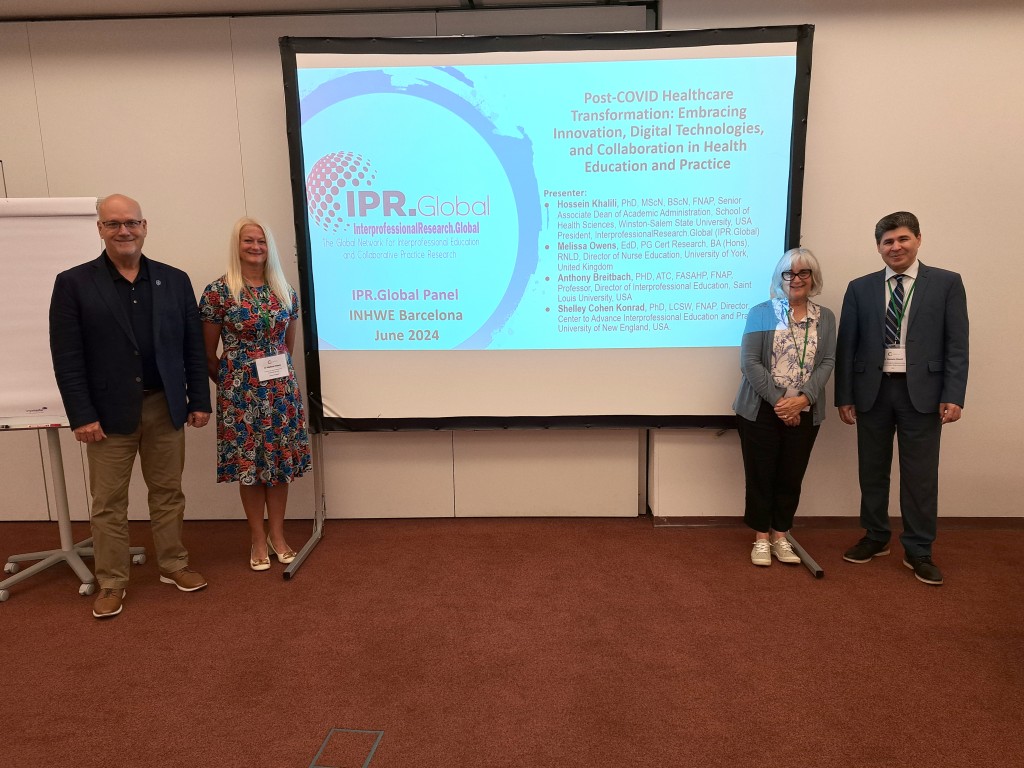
{"points": [[761, 554], [783, 550]]}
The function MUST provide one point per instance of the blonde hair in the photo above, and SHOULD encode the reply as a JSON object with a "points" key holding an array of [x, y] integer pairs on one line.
{"points": [[272, 273]]}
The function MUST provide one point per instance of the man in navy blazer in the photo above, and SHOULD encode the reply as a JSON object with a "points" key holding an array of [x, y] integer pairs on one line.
{"points": [[906, 380], [129, 360]]}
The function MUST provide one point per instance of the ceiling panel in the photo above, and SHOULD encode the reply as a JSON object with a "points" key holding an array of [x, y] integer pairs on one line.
{"points": [[27, 10]]}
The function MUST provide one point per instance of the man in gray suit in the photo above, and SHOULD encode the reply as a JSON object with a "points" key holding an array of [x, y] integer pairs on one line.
{"points": [[901, 369]]}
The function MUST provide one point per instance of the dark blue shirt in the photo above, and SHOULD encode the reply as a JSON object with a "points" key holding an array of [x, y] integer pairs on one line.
{"points": [[137, 301]]}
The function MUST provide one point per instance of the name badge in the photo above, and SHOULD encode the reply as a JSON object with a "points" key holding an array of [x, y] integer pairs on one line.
{"points": [[895, 360], [274, 367]]}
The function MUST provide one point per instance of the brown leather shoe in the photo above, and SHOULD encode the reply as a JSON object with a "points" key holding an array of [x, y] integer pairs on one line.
{"points": [[109, 603], [184, 579]]}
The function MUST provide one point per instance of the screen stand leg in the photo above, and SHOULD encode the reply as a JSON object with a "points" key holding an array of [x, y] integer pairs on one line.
{"points": [[805, 558], [319, 514]]}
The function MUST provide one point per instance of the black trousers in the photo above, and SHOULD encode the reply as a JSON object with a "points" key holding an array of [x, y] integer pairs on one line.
{"points": [[918, 434], [774, 462]]}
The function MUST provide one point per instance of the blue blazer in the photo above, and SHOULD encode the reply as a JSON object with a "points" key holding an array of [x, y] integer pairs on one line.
{"points": [[936, 341], [95, 356]]}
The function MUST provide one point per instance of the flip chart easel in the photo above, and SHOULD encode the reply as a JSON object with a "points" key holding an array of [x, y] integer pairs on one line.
{"points": [[40, 237]]}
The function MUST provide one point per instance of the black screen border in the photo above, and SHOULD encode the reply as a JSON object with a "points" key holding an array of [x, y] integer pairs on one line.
{"points": [[291, 47]]}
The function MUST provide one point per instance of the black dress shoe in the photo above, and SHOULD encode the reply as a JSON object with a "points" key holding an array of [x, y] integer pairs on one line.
{"points": [[865, 549], [924, 569]]}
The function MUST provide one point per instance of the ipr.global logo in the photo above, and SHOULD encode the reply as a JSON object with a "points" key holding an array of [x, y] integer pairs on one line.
{"points": [[331, 177]]}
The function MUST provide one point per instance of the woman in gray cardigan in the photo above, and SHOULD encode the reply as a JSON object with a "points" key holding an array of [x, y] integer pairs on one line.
{"points": [[787, 356]]}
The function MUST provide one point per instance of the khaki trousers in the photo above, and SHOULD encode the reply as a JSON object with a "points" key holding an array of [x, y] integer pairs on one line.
{"points": [[161, 450]]}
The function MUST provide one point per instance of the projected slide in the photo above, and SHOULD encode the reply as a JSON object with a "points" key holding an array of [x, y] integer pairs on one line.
{"points": [[540, 230], [553, 205]]}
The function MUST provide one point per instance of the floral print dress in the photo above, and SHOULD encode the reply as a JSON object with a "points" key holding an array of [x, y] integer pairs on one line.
{"points": [[261, 428]]}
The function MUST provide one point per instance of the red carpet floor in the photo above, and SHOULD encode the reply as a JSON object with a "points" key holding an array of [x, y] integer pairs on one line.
{"points": [[522, 642]]}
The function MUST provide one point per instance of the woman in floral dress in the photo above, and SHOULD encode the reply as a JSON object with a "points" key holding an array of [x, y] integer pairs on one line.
{"points": [[262, 443], [786, 357]]}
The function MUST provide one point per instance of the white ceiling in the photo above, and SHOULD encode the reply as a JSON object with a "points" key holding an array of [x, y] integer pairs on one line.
{"points": [[83, 9]]}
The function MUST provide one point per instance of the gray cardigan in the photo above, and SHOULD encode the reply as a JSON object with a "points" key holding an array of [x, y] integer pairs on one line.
{"points": [[756, 359]]}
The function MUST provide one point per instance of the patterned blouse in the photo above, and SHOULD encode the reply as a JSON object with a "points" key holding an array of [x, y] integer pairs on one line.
{"points": [[794, 341]]}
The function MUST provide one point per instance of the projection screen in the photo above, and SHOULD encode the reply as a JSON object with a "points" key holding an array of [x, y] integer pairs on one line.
{"points": [[540, 230]]}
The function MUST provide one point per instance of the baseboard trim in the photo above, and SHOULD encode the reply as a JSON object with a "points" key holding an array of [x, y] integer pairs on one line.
{"points": [[945, 523]]}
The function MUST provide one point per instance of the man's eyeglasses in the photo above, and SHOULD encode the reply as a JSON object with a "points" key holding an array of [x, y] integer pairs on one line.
{"points": [[115, 226], [803, 274]]}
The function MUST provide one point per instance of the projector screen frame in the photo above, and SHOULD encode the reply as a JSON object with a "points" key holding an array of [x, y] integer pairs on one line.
{"points": [[291, 47]]}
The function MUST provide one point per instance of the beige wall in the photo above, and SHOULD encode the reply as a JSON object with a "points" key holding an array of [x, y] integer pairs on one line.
{"points": [[187, 115], [914, 106], [918, 108]]}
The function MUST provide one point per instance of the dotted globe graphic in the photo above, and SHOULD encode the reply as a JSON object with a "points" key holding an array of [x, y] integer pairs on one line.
{"points": [[330, 178]]}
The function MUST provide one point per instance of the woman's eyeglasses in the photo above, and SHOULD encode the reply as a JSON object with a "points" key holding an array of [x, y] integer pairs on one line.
{"points": [[803, 274]]}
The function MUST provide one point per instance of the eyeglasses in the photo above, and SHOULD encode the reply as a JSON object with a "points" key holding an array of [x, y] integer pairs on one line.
{"points": [[803, 274], [115, 226]]}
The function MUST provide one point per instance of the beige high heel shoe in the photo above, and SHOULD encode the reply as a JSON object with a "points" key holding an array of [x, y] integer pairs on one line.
{"points": [[263, 564], [284, 557]]}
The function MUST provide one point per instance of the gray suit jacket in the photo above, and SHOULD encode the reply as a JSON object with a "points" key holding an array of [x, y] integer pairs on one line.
{"points": [[936, 340]]}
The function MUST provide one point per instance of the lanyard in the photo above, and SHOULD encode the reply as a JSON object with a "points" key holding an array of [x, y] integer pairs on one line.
{"points": [[260, 309], [807, 330], [906, 303]]}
